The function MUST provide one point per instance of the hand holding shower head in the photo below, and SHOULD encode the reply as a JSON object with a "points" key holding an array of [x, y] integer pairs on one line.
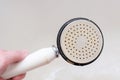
{"points": [[79, 41]]}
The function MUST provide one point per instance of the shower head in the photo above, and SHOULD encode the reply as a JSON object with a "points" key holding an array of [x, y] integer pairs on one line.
{"points": [[80, 41]]}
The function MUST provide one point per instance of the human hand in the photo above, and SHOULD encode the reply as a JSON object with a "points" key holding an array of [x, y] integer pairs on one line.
{"points": [[9, 57]]}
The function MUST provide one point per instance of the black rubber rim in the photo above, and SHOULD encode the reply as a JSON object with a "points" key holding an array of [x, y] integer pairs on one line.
{"points": [[60, 48]]}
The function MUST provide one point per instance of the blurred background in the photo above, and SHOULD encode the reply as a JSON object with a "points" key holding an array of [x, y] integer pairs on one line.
{"points": [[34, 24]]}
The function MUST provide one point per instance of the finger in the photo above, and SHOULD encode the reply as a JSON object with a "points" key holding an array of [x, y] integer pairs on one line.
{"points": [[1, 79], [19, 77]]}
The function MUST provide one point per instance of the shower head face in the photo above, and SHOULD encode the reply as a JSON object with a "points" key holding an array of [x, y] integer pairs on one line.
{"points": [[80, 41]]}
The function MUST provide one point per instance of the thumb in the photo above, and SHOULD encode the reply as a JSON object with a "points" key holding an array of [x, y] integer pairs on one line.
{"points": [[14, 56], [10, 57]]}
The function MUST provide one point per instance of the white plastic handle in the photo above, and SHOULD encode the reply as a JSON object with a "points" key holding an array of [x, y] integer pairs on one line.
{"points": [[34, 60]]}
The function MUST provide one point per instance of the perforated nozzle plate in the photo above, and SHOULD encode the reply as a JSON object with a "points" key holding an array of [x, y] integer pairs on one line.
{"points": [[80, 41]]}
